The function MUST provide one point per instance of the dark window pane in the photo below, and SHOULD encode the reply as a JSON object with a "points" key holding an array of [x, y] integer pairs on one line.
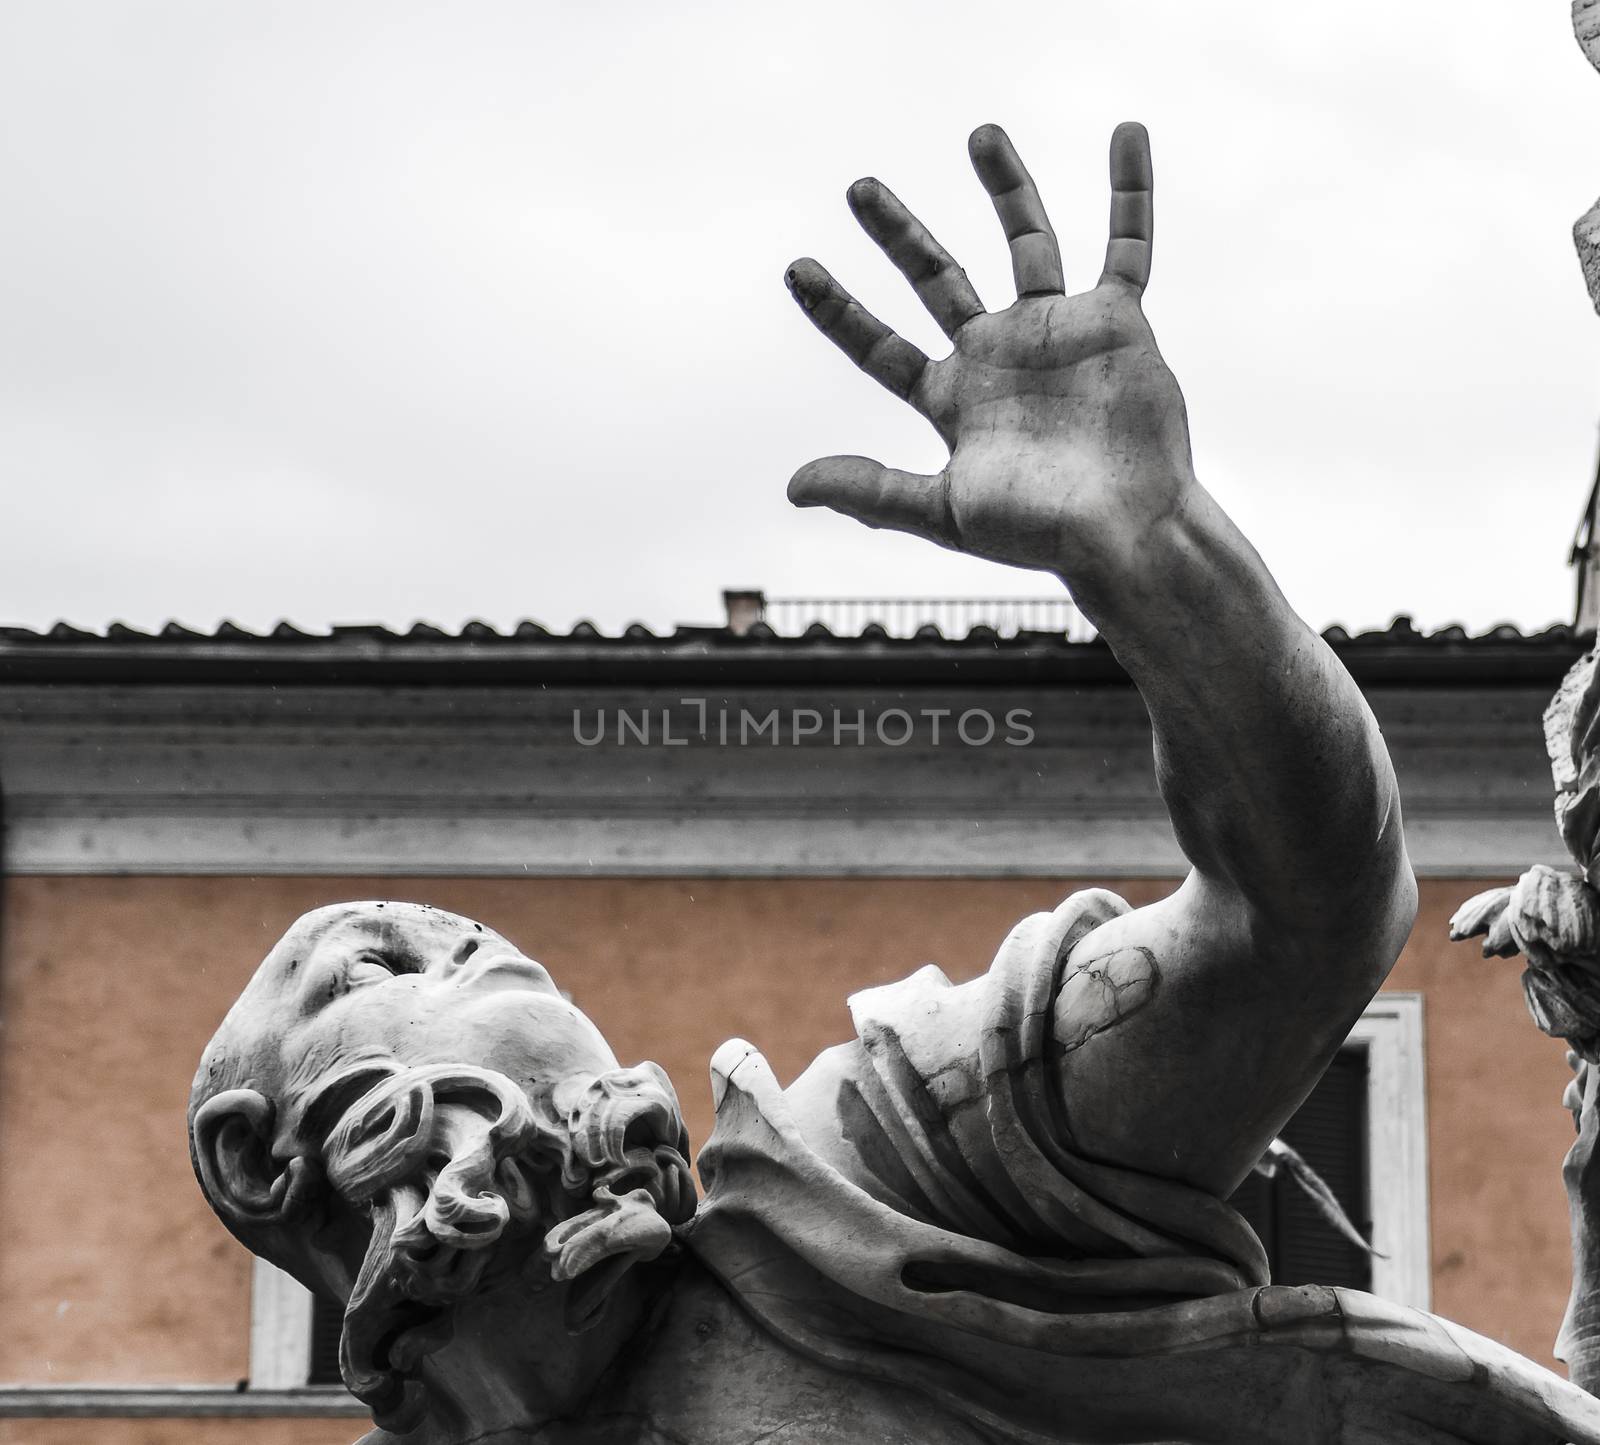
{"points": [[327, 1319], [1330, 1134]]}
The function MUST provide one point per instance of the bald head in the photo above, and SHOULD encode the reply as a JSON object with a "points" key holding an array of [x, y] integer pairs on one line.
{"points": [[399, 1088]]}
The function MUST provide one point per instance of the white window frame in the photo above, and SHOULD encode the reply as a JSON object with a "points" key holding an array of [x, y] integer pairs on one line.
{"points": [[1390, 1034], [280, 1332]]}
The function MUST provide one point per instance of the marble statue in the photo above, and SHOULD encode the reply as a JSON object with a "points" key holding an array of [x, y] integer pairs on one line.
{"points": [[997, 1213], [1586, 229], [1551, 917]]}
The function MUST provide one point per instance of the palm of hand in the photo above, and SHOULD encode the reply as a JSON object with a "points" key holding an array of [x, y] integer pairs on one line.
{"points": [[1054, 410], [1058, 411]]}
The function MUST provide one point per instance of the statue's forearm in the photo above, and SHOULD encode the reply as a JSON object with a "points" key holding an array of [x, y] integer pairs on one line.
{"points": [[1271, 765], [1579, 1341]]}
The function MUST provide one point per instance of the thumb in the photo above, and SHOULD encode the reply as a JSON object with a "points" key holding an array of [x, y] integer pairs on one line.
{"points": [[878, 495]]}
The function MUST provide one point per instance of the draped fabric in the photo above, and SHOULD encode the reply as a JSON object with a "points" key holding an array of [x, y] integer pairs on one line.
{"points": [[951, 1240]]}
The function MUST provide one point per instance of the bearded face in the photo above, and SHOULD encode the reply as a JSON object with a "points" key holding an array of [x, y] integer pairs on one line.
{"points": [[412, 1069]]}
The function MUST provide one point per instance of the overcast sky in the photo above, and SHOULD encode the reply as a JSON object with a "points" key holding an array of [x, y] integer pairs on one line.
{"points": [[339, 312]]}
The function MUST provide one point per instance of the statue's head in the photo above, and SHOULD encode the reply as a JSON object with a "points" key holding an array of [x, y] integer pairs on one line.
{"points": [[404, 1111]]}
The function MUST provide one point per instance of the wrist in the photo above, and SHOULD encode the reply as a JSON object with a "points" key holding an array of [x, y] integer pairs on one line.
{"points": [[1146, 524]]}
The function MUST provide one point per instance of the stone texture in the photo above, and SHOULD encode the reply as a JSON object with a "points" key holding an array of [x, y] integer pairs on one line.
{"points": [[1586, 237], [1586, 26], [1586, 230]]}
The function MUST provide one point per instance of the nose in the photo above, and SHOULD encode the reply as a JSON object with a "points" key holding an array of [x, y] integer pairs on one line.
{"points": [[477, 962]]}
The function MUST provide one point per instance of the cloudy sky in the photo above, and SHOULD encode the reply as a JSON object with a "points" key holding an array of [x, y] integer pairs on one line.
{"points": [[346, 312]]}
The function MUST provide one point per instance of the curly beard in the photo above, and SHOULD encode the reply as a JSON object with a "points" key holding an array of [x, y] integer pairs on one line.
{"points": [[461, 1174]]}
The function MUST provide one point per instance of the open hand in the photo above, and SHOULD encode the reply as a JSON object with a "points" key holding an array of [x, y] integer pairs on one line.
{"points": [[1066, 429]]}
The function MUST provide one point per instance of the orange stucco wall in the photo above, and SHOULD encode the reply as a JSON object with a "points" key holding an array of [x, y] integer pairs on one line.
{"points": [[1496, 1137], [112, 1269], [179, 1432]]}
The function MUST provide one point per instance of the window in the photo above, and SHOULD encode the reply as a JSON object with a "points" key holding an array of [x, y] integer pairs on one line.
{"points": [[327, 1324], [1390, 1031], [280, 1330], [294, 1335], [1364, 1129], [1330, 1133]]}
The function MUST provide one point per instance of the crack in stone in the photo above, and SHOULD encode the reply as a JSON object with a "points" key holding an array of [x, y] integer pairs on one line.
{"points": [[1103, 991]]}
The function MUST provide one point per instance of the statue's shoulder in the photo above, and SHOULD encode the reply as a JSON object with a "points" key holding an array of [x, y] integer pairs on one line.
{"points": [[919, 1039]]}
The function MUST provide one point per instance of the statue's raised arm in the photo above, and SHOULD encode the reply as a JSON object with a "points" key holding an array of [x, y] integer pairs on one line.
{"points": [[997, 1213], [1069, 452]]}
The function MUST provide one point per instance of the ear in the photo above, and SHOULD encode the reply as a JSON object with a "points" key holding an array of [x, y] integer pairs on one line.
{"points": [[231, 1139]]}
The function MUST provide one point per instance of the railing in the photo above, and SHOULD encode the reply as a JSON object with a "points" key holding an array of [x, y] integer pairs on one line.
{"points": [[903, 616]]}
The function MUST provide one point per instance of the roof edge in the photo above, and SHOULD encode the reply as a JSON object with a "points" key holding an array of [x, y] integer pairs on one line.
{"points": [[531, 655]]}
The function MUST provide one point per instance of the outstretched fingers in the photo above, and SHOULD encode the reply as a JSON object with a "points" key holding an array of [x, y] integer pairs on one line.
{"points": [[1132, 210], [878, 351], [1035, 256], [877, 495], [940, 283]]}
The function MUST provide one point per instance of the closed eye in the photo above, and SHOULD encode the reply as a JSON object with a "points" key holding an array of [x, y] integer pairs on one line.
{"points": [[366, 966]]}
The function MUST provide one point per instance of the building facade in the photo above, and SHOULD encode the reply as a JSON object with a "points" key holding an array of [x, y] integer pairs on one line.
{"points": [[702, 835]]}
